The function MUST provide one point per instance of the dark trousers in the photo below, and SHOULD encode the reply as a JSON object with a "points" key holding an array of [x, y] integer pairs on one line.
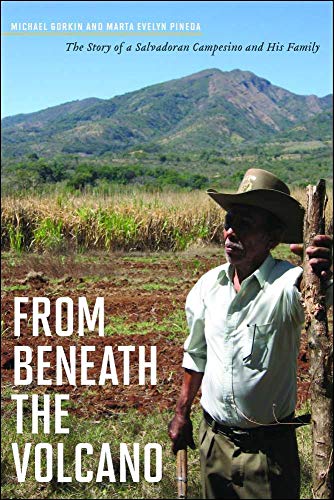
{"points": [[265, 465]]}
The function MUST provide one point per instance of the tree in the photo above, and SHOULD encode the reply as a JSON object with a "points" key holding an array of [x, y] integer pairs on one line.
{"points": [[321, 353]]}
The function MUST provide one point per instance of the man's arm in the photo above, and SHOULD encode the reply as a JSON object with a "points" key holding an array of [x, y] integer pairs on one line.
{"points": [[180, 428]]}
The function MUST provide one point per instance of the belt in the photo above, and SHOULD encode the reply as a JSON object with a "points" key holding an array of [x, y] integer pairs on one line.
{"points": [[264, 431]]}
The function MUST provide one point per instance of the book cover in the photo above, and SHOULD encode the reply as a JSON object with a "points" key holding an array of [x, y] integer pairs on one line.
{"points": [[116, 117]]}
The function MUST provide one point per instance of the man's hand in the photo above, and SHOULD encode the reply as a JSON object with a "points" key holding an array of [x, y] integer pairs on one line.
{"points": [[319, 255], [180, 430]]}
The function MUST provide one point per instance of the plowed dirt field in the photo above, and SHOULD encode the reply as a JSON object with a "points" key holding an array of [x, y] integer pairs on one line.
{"points": [[144, 298]]}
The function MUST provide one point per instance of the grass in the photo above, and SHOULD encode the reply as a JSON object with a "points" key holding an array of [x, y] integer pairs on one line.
{"points": [[304, 437], [154, 287], [147, 259], [283, 252], [14, 288], [130, 427], [167, 283], [175, 324], [125, 428], [136, 282]]}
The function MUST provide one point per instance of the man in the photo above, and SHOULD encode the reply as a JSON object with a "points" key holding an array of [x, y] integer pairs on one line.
{"points": [[245, 319]]}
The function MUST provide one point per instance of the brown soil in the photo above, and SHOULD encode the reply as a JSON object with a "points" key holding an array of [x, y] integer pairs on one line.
{"points": [[124, 281]]}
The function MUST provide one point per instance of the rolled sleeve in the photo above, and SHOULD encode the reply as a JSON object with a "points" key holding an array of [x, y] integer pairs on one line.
{"points": [[194, 357]]}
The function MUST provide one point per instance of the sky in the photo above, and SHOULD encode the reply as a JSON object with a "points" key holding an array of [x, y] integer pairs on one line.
{"points": [[40, 69]]}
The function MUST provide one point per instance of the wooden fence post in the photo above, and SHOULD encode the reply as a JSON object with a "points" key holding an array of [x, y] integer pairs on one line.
{"points": [[321, 351]]}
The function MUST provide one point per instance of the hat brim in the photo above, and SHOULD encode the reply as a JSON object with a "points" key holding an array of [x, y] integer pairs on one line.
{"points": [[283, 206]]}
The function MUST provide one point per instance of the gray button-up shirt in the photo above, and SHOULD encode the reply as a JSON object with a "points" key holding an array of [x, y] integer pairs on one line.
{"points": [[246, 343]]}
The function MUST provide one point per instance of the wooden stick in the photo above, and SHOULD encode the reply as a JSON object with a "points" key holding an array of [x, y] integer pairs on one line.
{"points": [[181, 473], [320, 349]]}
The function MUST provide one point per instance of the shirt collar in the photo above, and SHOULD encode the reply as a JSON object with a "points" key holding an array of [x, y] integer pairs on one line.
{"points": [[261, 274]]}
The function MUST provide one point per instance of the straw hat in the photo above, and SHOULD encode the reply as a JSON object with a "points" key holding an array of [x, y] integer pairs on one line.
{"points": [[262, 189]]}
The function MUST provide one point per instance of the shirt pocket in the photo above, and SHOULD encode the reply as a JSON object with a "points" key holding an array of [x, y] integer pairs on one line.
{"points": [[257, 346]]}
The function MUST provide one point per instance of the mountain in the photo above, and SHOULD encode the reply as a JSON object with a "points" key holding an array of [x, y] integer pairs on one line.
{"points": [[319, 127], [211, 108]]}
